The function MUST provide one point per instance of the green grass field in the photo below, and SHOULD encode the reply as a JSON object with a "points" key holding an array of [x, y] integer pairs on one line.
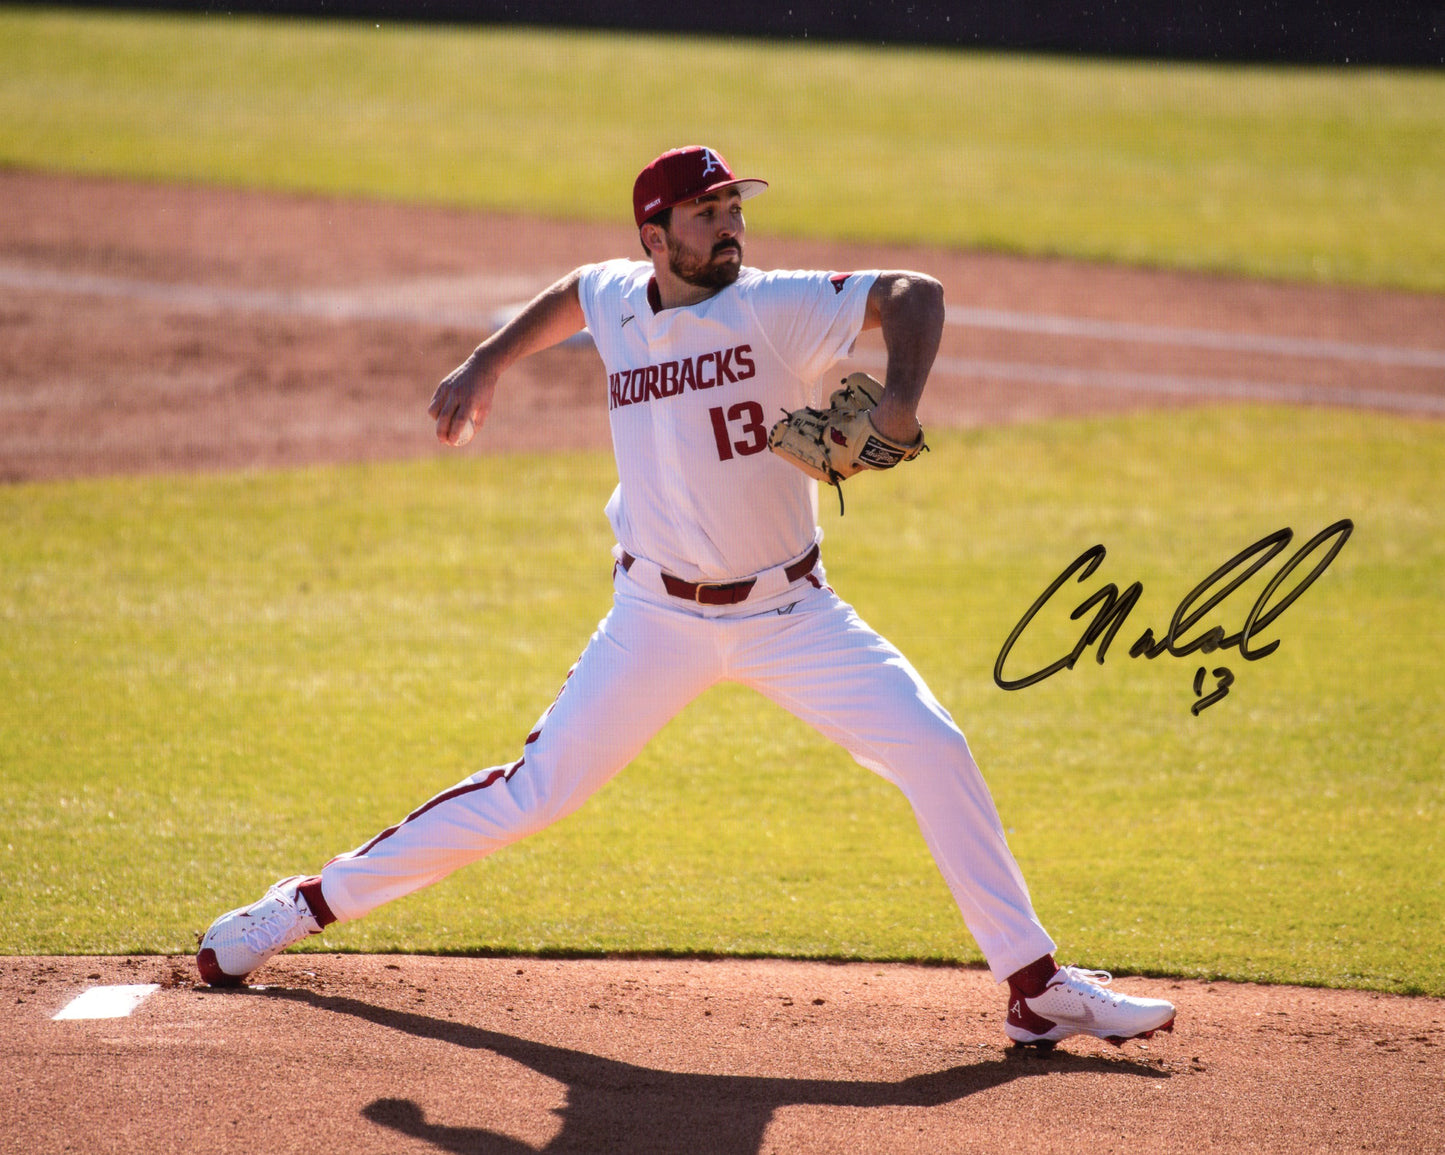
{"points": [[1316, 174], [208, 682]]}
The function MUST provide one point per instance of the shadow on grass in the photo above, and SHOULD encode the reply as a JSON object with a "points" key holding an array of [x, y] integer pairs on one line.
{"points": [[619, 1106]]}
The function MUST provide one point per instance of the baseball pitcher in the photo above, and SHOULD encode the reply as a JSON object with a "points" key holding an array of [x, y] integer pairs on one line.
{"points": [[722, 435]]}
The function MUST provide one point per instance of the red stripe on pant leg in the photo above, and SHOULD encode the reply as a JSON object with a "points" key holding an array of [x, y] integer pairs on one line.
{"points": [[458, 791], [445, 796]]}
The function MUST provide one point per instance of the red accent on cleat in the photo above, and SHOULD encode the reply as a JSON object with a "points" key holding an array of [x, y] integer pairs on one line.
{"points": [[1120, 1040], [1020, 1014], [310, 890], [212, 973]]}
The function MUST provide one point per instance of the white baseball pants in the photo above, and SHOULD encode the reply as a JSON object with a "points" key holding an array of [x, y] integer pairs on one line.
{"points": [[806, 650]]}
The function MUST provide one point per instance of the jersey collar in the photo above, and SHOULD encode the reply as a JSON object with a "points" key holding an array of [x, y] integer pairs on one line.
{"points": [[654, 296]]}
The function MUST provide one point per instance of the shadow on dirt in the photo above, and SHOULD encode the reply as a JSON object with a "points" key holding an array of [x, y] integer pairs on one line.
{"points": [[619, 1106]]}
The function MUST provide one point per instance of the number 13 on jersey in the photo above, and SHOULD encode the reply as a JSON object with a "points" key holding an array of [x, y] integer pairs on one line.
{"points": [[745, 418]]}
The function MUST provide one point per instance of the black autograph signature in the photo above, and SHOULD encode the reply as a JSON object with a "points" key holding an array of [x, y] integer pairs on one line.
{"points": [[1114, 607]]}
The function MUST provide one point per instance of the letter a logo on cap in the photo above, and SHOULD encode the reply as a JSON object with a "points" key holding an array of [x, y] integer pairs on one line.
{"points": [[674, 178]]}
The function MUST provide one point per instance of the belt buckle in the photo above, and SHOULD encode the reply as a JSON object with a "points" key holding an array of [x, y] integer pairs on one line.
{"points": [[697, 591]]}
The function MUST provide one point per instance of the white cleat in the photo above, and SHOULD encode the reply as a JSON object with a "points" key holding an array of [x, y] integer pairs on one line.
{"points": [[1077, 1002], [243, 939]]}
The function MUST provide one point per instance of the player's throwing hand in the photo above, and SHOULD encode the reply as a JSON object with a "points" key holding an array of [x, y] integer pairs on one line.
{"points": [[462, 401]]}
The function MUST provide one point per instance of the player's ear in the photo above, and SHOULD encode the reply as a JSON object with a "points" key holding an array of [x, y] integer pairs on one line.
{"points": [[654, 240]]}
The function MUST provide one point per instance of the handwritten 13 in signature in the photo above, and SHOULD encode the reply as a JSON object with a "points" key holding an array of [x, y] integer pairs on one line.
{"points": [[1114, 607]]}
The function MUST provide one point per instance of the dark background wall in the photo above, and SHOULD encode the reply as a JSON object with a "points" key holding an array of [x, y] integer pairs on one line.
{"points": [[1399, 32]]}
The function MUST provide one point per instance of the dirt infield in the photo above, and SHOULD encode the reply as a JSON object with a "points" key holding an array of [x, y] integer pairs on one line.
{"points": [[343, 1053], [147, 328]]}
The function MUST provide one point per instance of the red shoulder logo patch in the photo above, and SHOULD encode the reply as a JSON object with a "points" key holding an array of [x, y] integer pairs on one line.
{"points": [[838, 280]]}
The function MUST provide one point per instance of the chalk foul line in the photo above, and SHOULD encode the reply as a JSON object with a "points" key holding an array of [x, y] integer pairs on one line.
{"points": [[1207, 388], [1044, 324], [456, 301]]}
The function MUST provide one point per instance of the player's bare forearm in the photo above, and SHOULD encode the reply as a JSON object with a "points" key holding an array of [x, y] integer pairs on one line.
{"points": [[549, 318], [464, 398], [908, 307]]}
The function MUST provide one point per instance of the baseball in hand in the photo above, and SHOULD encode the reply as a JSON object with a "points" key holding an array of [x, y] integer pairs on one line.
{"points": [[466, 433]]}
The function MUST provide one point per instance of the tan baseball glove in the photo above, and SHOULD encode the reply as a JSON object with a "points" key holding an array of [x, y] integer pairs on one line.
{"points": [[833, 444]]}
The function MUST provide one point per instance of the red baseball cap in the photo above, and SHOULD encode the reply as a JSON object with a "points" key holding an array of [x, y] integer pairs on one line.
{"points": [[684, 174]]}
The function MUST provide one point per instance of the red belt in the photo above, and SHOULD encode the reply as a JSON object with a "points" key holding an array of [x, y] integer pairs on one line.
{"points": [[725, 593]]}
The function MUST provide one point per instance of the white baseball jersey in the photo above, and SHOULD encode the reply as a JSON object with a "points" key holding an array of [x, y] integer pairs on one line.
{"points": [[692, 392]]}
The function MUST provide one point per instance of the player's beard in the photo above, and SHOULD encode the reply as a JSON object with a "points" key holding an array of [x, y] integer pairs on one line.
{"points": [[705, 273]]}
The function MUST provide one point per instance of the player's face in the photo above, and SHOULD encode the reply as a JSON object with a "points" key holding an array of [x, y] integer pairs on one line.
{"points": [[705, 240]]}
